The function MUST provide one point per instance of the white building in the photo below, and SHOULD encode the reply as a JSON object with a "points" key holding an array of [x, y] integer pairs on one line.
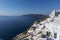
{"points": [[51, 24]]}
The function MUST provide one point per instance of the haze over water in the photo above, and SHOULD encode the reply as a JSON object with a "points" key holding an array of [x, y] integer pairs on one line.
{"points": [[11, 21]]}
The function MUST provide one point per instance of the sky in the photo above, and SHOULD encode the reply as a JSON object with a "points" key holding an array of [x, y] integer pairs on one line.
{"points": [[23, 7]]}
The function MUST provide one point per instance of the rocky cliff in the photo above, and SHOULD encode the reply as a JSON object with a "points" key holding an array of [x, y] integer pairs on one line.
{"points": [[25, 33]]}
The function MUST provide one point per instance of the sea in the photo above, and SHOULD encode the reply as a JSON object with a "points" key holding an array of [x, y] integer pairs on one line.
{"points": [[10, 26]]}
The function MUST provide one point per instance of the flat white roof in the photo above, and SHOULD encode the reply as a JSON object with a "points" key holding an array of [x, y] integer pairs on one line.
{"points": [[57, 10]]}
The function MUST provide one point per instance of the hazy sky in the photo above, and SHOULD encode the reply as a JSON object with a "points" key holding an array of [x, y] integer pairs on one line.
{"points": [[21, 7]]}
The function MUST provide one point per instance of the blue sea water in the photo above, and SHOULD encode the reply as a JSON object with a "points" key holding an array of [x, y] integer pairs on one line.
{"points": [[10, 26]]}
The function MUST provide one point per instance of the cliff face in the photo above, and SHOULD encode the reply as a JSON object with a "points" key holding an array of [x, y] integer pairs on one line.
{"points": [[25, 33], [20, 36]]}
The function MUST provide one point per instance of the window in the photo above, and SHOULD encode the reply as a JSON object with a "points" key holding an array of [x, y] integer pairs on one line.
{"points": [[55, 35], [57, 13]]}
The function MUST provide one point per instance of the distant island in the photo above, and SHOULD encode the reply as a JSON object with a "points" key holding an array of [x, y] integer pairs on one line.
{"points": [[36, 15]]}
